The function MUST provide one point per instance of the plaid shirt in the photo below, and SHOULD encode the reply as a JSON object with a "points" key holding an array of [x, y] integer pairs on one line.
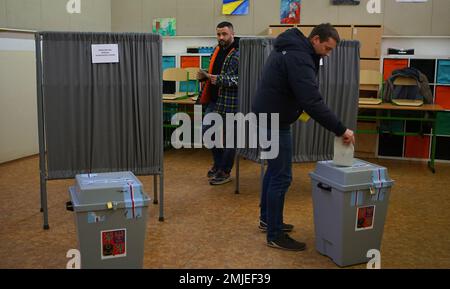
{"points": [[227, 100]]}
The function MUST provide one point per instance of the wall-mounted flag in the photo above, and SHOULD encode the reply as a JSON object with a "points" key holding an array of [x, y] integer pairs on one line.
{"points": [[233, 7]]}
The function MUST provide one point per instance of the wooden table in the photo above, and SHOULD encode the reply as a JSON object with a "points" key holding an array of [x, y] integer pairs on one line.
{"points": [[390, 106], [170, 107], [188, 101], [430, 111]]}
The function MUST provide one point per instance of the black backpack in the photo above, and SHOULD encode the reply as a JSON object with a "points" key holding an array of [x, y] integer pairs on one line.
{"points": [[420, 91]]}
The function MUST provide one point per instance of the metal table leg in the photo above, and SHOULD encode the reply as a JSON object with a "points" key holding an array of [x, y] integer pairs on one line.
{"points": [[237, 174], [155, 189], [433, 147]]}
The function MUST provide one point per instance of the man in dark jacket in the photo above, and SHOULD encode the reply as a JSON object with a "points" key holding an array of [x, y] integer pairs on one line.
{"points": [[288, 88]]}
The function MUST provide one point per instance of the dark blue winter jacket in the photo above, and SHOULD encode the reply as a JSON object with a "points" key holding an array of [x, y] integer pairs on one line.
{"points": [[289, 84]]}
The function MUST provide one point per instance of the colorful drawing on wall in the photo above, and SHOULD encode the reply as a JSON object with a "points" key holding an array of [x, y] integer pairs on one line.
{"points": [[233, 7], [165, 26], [290, 11]]}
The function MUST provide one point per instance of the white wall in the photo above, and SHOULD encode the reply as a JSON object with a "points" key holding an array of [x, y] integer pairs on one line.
{"points": [[18, 112], [52, 15], [427, 46], [199, 17], [178, 45], [18, 103]]}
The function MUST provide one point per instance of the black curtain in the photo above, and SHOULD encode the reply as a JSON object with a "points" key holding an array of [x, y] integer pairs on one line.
{"points": [[102, 117], [253, 55], [338, 82], [339, 86]]}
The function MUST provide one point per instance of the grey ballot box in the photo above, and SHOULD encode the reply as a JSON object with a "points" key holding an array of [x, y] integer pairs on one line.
{"points": [[350, 206], [111, 217]]}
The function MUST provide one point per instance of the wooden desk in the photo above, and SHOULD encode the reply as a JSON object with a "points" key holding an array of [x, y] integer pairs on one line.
{"points": [[170, 107], [188, 101], [430, 116], [389, 106]]}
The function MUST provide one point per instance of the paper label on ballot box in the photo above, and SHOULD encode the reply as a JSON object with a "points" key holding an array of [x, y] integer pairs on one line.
{"points": [[114, 244], [365, 217]]}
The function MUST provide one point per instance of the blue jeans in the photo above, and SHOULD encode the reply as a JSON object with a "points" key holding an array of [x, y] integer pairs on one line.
{"points": [[223, 157], [276, 183]]}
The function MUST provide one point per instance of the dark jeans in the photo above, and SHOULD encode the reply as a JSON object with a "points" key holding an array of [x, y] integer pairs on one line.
{"points": [[276, 183], [223, 157]]}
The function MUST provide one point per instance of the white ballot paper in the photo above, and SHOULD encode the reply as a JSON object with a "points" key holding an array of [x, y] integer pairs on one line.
{"points": [[343, 153]]}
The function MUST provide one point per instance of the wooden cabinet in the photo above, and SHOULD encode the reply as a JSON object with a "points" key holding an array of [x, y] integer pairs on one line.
{"points": [[370, 39], [275, 30], [366, 144], [306, 29], [370, 64], [345, 31]]}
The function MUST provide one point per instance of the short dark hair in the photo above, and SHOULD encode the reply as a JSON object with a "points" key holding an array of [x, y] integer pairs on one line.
{"points": [[325, 31], [225, 24]]}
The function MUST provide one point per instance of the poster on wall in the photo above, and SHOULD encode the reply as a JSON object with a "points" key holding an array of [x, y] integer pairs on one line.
{"points": [[233, 7], [165, 26], [290, 11]]}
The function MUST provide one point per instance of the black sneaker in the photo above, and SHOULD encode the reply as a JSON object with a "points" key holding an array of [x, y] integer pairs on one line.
{"points": [[285, 228], [212, 173], [285, 242], [220, 178]]}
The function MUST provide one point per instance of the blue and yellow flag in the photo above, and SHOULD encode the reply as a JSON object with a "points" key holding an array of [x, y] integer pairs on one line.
{"points": [[233, 7]]}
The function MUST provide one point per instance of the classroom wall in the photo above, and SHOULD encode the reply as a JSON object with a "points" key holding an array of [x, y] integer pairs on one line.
{"points": [[18, 103], [422, 46], [18, 116], [199, 17], [194, 17], [52, 15]]}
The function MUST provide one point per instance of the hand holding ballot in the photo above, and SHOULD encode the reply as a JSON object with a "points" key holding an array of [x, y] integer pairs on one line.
{"points": [[344, 152], [349, 137]]}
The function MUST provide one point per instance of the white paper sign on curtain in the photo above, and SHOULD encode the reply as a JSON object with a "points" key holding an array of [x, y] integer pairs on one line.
{"points": [[105, 53]]}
